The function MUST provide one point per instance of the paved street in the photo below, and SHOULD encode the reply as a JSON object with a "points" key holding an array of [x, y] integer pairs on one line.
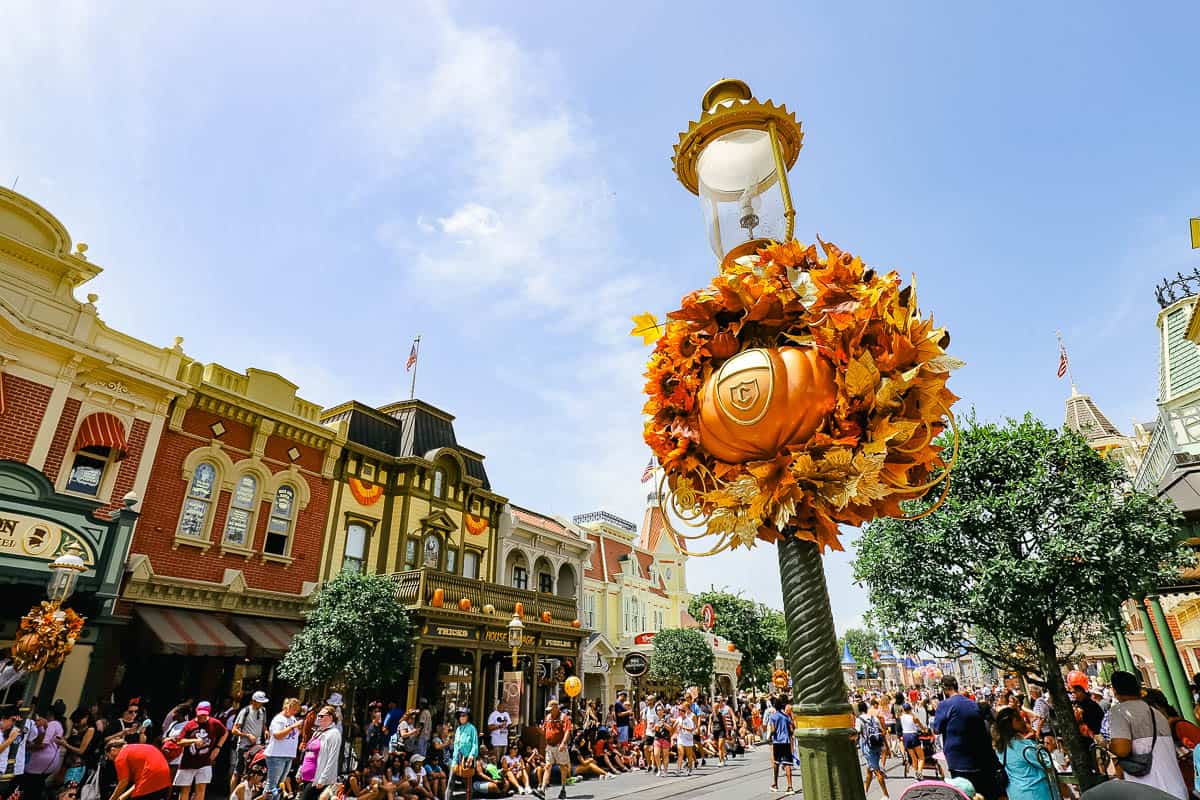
{"points": [[743, 779]]}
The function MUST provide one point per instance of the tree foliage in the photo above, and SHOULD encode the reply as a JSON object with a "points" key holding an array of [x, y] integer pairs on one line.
{"points": [[863, 642], [357, 634], [682, 657], [1037, 542], [758, 631]]}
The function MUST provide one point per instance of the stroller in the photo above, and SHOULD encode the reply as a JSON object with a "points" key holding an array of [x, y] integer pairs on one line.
{"points": [[932, 790], [929, 748]]}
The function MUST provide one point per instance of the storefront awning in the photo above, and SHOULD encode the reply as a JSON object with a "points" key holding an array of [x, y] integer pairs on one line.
{"points": [[268, 638], [102, 430], [190, 633]]}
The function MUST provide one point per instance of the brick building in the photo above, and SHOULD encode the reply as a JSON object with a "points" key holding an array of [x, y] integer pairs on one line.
{"points": [[82, 408], [228, 550]]}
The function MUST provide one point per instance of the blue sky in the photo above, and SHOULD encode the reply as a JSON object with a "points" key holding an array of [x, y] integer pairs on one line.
{"points": [[305, 188]]}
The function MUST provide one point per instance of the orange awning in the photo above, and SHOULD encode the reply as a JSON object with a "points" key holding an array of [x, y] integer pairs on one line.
{"points": [[102, 430]]}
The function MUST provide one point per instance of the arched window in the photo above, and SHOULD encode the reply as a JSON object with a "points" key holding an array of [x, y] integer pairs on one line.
{"points": [[431, 554], [439, 482], [239, 527], [283, 515], [193, 520]]}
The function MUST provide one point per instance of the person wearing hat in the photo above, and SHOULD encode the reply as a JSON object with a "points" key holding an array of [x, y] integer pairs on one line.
{"points": [[248, 730], [465, 749], [201, 740]]}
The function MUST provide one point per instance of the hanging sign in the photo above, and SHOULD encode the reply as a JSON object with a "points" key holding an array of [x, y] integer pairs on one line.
{"points": [[708, 616], [644, 638], [599, 665], [635, 664], [510, 700]]}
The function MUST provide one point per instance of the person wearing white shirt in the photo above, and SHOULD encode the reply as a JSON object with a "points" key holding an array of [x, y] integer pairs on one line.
{"points": [[283, 739], [650, 717], [497, 725]]}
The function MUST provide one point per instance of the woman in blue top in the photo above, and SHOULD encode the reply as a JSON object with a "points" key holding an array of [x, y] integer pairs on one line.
{"points": [[1027, 779], [465, 749]]}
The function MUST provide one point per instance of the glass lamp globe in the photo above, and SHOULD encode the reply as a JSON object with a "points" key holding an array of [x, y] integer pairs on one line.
{"points": [[64, 572], [736, 158]]}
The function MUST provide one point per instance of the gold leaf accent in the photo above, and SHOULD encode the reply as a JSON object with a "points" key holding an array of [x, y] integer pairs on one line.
{"points": [[862, 376]]}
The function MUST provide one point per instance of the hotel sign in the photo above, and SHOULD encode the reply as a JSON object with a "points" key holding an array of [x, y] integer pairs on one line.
{"points": [[38, 539]]}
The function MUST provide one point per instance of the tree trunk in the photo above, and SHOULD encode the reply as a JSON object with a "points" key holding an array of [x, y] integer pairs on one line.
{"points": [[824, 722], [1066, 729]]}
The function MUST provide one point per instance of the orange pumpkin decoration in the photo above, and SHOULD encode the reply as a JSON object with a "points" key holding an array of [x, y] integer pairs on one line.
{"points": [[576, 623], [519, 610], [545, 616], [732, 647], [464, 604], [28, 642], [762, 400], [439, 598], [723, 344], [489, 609]]}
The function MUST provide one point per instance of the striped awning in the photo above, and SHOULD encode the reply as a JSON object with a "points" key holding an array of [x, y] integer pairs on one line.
{"points": [[267, 638], [190, 633], [102, 430]]}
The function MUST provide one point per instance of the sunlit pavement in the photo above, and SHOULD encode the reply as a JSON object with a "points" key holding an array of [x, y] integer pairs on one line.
{"points": [[746, 778]]}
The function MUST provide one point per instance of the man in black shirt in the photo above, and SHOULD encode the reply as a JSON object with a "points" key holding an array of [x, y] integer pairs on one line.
{"points": [[1093, 715]]}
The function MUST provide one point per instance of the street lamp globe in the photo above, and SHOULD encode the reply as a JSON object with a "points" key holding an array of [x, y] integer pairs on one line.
{"points": [[736, 158], [516, 635], [780, 665], [65, 571]]}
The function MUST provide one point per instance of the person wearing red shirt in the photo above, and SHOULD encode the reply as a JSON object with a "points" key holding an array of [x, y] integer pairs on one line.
{"points": [[142, 771], [201, 740], [557, 727]]}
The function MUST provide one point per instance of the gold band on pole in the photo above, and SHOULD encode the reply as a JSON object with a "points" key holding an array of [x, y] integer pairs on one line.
{"points": [[823, 720]]}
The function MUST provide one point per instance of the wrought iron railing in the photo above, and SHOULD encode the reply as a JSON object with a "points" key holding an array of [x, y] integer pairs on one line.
{"points": [[415, 588]]}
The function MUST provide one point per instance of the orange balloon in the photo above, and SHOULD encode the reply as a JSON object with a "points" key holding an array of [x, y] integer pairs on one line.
{"points": [[762, 400], [573, 686]]}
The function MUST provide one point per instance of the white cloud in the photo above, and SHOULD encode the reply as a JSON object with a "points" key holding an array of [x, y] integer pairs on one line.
{"points": [[469, 221]]}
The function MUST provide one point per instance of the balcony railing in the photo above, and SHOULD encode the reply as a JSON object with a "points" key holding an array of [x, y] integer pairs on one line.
{"points": [[1176, 440], [415, 588]]}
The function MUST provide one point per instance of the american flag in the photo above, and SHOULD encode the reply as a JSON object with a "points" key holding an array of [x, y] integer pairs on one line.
{"points": [[1062, 361], [412, 358], [648, 472]]}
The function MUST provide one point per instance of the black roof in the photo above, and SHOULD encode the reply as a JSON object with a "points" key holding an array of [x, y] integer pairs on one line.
{"points": [[405, 429]]}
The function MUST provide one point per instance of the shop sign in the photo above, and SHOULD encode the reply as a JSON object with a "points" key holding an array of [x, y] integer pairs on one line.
{"points": [[501, 637], [644, 638], [598, 664], [708, 616], [564, 644], [635, 664], [37, 539], [449, 631]]}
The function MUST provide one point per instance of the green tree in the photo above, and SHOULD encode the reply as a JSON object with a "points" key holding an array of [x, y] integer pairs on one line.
{"points": [[682, 657], [357, 634], [758, 631], [1038, 539], [862, 647]]}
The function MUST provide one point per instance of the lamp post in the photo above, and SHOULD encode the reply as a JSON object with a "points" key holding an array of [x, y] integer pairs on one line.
{"points": [[65, 572], [735, 158], [516, 636], [780, 664]]}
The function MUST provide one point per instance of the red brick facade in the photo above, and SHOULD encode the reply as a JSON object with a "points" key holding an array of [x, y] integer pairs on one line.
{"points": [[155, 534], [24, 406], [62, 437]]}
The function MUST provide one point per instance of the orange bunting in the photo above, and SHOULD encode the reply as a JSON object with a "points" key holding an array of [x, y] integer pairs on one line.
{"points": [[367, 494], [475, 525]]}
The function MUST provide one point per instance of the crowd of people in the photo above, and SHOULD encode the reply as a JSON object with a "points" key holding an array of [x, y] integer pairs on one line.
{"points": [[292, 751], [997, 742]]}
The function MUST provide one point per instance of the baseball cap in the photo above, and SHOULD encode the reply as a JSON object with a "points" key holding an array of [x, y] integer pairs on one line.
{"points": [[204, 707], [417, 757], [260, 697]]}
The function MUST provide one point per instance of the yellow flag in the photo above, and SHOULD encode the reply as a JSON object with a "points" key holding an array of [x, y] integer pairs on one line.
{"points": [[646, 325], [1195, 222]]}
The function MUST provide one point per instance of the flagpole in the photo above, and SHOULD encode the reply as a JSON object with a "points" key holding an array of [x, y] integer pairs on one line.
{"points": [[1062, 349], [412, 392]]}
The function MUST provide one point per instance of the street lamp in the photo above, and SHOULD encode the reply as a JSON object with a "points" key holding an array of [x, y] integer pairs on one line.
{"points": [[516, 636], [736, 158], [65, 571]]}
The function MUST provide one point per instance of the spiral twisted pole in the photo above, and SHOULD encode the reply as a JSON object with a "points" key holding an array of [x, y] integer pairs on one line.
{"points": [[824, 722]]}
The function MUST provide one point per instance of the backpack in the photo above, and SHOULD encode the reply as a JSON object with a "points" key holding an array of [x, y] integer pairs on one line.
{"points": [[873, 732]]}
